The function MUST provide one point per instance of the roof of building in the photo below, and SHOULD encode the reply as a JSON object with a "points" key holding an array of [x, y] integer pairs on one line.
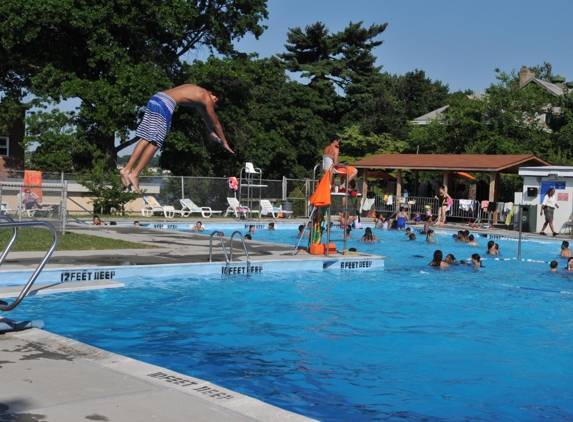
{"points": [[558, 171], [552, 88], [431, 116], [452, 162], [439, 112]]}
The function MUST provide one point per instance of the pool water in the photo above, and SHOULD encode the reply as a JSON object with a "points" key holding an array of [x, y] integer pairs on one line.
{"points": [[409, 342]]}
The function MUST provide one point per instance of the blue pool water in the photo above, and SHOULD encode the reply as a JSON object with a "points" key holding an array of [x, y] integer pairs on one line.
{"points": [[406, 343]]}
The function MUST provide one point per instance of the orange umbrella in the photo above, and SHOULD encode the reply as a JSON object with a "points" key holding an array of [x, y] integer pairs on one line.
{"points": [[321, 196], [462, 175]]}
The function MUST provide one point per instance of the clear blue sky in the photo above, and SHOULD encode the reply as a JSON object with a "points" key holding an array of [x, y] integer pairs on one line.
{"points": [[458, 42]]}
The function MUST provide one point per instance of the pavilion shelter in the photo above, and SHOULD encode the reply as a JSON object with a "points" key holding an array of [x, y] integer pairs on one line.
{"points": [[448, 164]]}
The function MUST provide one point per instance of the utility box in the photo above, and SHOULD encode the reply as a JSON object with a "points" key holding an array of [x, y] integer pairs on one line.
{"points": [[528, 218], [287, 206]]}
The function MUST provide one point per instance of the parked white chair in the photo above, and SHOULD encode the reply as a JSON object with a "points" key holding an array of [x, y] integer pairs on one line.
{"points": [[189, 207], [249, 168], [569, 223], [152, 206], [267, 207], [5, 209], [237, 209]]}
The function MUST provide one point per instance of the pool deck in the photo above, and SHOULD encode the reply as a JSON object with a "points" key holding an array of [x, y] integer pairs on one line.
{"points": [[171, 247], [52, 378]]}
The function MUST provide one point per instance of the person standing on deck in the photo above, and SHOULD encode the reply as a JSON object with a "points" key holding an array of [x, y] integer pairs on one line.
{"points": [[548, 207]]}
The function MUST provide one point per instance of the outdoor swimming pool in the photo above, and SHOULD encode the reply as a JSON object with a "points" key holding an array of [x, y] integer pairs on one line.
{"points": [[406, 343]]}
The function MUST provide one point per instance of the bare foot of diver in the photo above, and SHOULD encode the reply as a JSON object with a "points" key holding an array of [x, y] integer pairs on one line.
{"points": [[125, 178], [134, 181]]}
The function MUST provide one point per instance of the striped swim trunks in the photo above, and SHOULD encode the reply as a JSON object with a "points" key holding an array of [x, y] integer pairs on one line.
{"points": [[157, 119]]}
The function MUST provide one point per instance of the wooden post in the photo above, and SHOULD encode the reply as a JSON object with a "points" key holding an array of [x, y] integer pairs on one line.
{"points": [[446, 180], [493, 179], [399, 184]]}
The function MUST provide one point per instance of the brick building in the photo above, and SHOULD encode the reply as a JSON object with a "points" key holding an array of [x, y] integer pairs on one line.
{"points": [[11, 150]]}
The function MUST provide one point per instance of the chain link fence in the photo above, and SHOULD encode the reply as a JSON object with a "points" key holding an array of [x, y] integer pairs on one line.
{"points": [[214, 191], [59, 198]]}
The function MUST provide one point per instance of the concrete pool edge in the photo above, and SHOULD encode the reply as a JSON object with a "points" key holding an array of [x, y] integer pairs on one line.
{"points": [[136, 386], [78, 273]]}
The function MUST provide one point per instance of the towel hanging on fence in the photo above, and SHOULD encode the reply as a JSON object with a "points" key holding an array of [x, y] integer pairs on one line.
{"points": [[510, 214], [465, 204]]}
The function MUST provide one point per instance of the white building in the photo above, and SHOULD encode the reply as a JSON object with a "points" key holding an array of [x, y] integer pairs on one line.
{"points": [[536, 182]]}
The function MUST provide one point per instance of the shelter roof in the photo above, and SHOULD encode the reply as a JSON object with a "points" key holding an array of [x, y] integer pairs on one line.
{"points": [[451, 162], [437, 114], [557, 171], [552, 88]]}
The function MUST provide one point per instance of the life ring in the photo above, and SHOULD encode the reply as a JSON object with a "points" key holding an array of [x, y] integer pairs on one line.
{"points": [[233, 183]]}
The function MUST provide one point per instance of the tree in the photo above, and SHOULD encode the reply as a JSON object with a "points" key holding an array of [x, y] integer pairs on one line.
{"points": [[358, 146], [58, 146], [333, 60], [504, 121], [111, 55], [107, 189], [339, 58]]}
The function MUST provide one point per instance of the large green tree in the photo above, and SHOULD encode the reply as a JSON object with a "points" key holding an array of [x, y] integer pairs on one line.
{"points": [[342, 60]]}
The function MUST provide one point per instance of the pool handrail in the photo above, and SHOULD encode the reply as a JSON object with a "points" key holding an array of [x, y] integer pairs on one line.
{"points": [[217, 233], [244, 247], [16, 225], [11, 243]]}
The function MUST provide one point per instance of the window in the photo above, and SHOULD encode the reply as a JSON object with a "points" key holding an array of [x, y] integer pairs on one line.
{"points": [[4, 143]]}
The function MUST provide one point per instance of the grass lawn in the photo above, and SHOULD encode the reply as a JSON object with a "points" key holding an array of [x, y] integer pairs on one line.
{"points": [[41, 240]]}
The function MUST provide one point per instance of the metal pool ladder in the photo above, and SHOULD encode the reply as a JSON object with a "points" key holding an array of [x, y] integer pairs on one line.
{"points": [[229, 258], [15, 225]]}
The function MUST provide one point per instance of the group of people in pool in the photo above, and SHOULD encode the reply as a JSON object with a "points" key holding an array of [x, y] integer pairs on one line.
{"points": [[462, 236], [565, 253], [438, 260], [399, 223]]}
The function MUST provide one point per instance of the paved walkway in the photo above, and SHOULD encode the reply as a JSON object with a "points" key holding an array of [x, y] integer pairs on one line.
{"points": [[171, 247]]}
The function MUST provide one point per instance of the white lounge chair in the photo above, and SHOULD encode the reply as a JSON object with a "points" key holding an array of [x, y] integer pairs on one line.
{"points": [[5, 209], [267, 207], [152, 206], [236, 208], [189, 207], [569, 223]]}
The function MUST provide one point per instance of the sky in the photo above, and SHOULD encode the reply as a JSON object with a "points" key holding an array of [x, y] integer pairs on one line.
{"points": [[458, 42]]}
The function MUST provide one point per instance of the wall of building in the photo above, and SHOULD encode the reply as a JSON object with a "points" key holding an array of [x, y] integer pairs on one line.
{"points": [[532, 190], [15, 160]]}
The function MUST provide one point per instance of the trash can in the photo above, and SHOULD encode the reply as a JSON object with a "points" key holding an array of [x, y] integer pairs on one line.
{"points": [[287, 206], [529, 218]]}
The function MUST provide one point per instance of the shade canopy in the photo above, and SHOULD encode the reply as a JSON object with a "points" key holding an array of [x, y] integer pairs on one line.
{"points": [[378, 174], [451, 162]]}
